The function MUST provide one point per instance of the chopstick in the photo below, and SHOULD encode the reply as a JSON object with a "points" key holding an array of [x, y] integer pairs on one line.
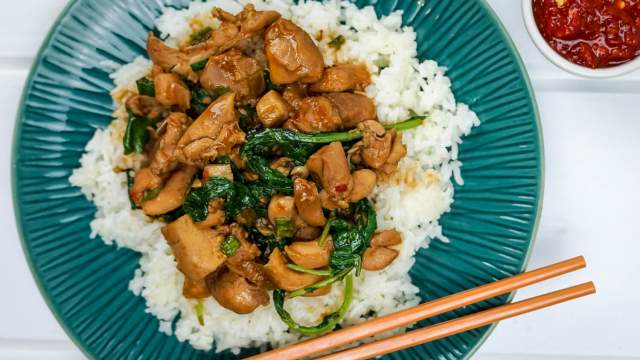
{"points": [[462, 324], [423, 311]]}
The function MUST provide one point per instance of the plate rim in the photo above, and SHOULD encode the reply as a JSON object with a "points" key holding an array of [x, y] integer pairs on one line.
{"points": [[16, 140], [17, 129], [541, 174]]}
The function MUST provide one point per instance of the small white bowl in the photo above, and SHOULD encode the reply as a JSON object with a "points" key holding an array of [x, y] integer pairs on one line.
{"points": [[561, 62]]}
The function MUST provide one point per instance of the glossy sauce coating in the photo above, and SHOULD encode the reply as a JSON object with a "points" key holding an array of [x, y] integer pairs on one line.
{"points": [[591, 33]]}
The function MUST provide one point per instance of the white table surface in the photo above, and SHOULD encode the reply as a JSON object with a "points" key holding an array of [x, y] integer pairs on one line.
{"points": [[592, 195]]}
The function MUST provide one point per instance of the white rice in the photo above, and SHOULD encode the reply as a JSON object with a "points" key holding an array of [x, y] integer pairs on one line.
{"points": [[412, 202]]}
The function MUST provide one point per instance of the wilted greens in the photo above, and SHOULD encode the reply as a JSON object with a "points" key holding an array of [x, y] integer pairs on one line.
{"points": [[136, 136]]}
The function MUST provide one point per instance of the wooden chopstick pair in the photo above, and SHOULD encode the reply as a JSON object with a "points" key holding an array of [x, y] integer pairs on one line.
{"points": [[432, 308]]}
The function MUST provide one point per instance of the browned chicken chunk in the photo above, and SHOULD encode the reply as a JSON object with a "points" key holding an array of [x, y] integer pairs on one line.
{"points": [[214, 133], [364, 181], [197, 250], [398, 151], [172, 194], [316, 114], [386, 238], [329, 164], [379, 255], [309, 254], [144, 181], [251, 271], [252, 22], [236, 293], [247, 250], [294, 93], [281, 207], [170, 90], [376, 144], [353, 108], [343, 77], [195, 289], [242, 74], [285, 278], [292, 55], [146, 106], [163, 159], [308, 202], [378, 258], [161, 54], [273, 110]]}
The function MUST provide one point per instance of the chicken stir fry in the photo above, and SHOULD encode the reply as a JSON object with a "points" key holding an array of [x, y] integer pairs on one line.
{"points": [[261, 160]]}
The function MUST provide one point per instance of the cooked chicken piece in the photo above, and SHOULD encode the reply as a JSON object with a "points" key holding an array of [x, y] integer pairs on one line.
{"points": [[172, 194], [364, 181], [221, 170], [283, 165], [163, 159], [197, 251], [308, 202], [309, 254], [251, 271], [343, 77], [353, 108], [292, 55], [386, 238], [237, 159], [281, 207], [232, 31], [327, 202], [376, 143], [378, 258], [170, 90], [161, 54], [145, 180], [214, 133], [195, 289], [316, 114], [247, 250], [273, 110], [329, 164], [294, 93], [379, 255], [242, 74], [216, 215], [252, 22], [236, 293], [225, 37], [285, 278], [308, 233], [146, 106], [179, 61], [398, 151]]}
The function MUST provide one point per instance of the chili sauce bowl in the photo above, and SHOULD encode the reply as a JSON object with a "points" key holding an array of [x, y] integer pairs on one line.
{"points": [[564, 64]]}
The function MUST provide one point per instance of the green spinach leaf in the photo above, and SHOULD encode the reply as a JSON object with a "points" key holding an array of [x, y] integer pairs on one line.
{"points": [[136, 135], [146, 87]]}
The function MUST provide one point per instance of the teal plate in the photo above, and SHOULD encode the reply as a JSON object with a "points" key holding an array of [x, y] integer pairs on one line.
{"points": [[491, 224]]}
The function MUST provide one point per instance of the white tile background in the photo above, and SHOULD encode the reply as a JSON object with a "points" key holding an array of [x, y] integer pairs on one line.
{"points": [[592, 194]]}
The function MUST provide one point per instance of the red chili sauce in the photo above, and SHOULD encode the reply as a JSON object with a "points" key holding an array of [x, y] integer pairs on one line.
{"points": [[591, 33]]}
